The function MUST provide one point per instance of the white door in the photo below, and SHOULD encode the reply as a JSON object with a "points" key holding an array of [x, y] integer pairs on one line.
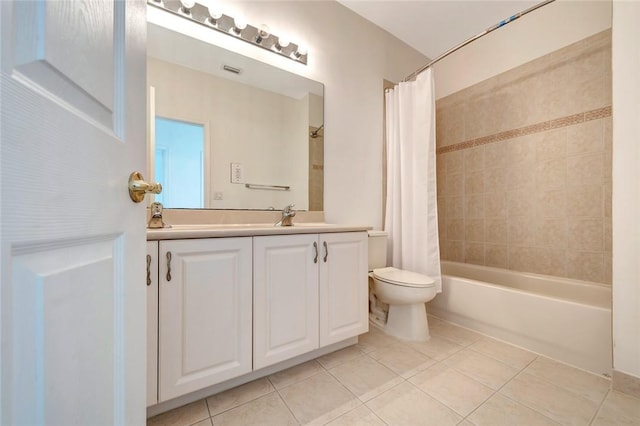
{"points": [[205, 313], [285, 297], [73, 292], [344, 295]]}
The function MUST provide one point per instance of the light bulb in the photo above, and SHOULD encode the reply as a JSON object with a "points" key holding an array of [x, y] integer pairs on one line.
{"points": [[302, 50], [282, 43], [214, 15], [239, 24], [187, 5], [263, 32]]}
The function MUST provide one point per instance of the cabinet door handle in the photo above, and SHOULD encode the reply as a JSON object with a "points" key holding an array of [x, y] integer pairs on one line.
{"points": [[148, 269], [315, 249], [326, 251], [168, 266]]}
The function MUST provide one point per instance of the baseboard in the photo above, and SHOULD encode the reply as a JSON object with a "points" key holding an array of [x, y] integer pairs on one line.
{"points": [[625, 383]]}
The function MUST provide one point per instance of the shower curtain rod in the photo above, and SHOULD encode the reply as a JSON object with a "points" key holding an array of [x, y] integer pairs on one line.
{"points": [[475, 37]]}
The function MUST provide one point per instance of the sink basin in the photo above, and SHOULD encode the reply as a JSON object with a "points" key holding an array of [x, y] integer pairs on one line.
{"points": [[214, 230], [231, 226], [207, 226]]}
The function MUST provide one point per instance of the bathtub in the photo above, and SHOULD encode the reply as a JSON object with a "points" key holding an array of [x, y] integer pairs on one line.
{"points": [[567, 320]]}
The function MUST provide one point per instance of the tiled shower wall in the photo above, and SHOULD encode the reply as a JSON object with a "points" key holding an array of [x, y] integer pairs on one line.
{"points": [[316, 170], [524, 166]]}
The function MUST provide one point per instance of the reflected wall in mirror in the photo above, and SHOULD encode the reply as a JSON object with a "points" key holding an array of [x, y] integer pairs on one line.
{"points": [[262, 126]]}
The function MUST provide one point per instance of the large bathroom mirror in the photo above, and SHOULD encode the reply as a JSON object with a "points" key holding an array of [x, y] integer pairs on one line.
{"points": [[230, 132]]}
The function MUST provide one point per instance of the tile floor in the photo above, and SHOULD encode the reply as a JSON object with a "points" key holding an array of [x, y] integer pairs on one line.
{"points": [[456, 378]]}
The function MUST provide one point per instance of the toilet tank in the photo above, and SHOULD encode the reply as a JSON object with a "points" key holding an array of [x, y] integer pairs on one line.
{"points": [[377, 249]]}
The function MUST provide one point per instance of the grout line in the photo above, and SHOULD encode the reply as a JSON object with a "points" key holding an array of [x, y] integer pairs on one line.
{"points": [[561, 384], [506, 363], [208, 409], [552, 384], [376, 415], [505, 396], [238, 405], [532, 409], [497, 360], [324, 370], [480, 405], [287, 405], [595, 415], [495, 391]]}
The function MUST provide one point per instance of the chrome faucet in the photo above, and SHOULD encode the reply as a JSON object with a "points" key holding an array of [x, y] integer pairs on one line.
{"points": [[287, 216], [156, 217]]}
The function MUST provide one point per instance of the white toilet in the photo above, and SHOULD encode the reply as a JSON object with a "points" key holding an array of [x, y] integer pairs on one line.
{"points": [[404, 292]]}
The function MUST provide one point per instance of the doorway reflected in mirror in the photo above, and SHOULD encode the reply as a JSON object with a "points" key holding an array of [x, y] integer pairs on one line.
{"points": [[179, 163]]}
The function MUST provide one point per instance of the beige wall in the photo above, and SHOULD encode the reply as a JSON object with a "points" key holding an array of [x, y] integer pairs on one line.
{"points": [[524, 166], [626, 195], [543, 31], [351, 56]]}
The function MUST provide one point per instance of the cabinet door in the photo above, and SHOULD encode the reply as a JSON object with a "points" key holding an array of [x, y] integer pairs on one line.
{"points": [[152, 322], [285, 297], [205, 313], [343, 286]]}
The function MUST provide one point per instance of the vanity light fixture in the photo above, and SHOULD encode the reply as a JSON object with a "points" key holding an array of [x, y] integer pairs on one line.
{"points": [[300, 52], [281, 43], [212, 18], [187, 5], [263, 32], [214, 15], [239, 24]]}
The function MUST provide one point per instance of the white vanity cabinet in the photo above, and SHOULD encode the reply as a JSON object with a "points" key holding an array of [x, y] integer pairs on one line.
{"points": [[285, 297], [223, 307], [309, 291], [152, 322], [205, 310]]}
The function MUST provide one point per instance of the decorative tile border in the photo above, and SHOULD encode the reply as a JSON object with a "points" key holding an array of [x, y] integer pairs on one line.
{"points": [[528, 130], [567, 121]]}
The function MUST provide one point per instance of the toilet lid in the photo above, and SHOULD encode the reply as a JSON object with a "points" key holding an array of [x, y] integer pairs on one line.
{"points": [[403, 278]]}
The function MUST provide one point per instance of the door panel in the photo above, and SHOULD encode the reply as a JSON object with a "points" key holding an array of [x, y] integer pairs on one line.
{"points": [[285, 298], [45, 33], [344, 298], [205, 313], [54, 333], [72, 292]]}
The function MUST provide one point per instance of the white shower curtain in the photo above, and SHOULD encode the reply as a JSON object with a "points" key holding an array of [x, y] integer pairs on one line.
{"points": [[411, 214]]}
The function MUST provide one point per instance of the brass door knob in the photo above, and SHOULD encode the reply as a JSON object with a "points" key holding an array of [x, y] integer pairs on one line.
{"points": [[138, 187]]}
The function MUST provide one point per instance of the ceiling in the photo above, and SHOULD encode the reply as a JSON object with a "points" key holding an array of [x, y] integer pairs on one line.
{"points": [[431, 26]]}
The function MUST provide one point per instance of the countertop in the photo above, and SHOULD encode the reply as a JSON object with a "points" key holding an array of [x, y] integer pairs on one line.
{"points": [[246, 230]]}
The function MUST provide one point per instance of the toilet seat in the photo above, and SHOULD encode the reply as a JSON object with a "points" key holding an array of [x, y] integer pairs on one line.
{"points": [[403, 278]]}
